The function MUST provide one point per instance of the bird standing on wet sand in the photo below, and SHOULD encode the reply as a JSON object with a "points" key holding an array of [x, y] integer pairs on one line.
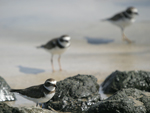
{"points": [[57, 46], [40, 93], [124, 19]]}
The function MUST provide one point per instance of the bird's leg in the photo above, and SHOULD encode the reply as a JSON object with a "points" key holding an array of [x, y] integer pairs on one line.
{"points": [[59, 63], [52, 63], [125, 38], [41, 105], [37, 104]]}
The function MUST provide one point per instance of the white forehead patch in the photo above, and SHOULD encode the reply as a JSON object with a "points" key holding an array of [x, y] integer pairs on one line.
{"points": [[53, 82], [134, 10], [67, 38]]}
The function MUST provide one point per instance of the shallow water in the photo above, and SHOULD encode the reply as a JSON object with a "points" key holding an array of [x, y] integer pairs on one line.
{"points": [[103, 96]]}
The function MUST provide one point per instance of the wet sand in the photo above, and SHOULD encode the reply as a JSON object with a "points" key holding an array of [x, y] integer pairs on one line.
{"points": [[98, 60]]}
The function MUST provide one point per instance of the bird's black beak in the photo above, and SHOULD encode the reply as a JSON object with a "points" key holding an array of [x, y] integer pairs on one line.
{"points": [[55, 86], [66, 41], [136, 13]]}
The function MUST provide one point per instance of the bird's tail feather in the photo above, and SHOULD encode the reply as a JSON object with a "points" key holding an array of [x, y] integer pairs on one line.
{"points": [[104, 19], [15, 90], [42, 46]]}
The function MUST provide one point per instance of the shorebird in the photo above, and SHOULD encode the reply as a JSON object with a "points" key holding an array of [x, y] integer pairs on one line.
{"points": [[57, 46], [124, 19], [39, 93]]}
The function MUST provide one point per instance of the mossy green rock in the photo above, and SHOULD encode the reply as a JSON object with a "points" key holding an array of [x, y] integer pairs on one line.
{"points": [[131, 79], [75, 93], [124, 101]]}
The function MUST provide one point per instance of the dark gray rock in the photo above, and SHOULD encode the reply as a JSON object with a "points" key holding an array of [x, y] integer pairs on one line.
{"points": [[124, 101], [131, 79], [5, 94], [4, 108], [34, 110], [76, 93]]}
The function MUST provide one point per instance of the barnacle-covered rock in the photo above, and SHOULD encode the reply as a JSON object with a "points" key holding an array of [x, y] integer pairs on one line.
{"points": [[124, 101], [126, 79], [75, 93], [4, 108]]}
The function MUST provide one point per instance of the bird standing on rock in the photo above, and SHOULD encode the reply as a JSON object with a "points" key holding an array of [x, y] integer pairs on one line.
{"points": [[57, 46], [39, 93], [124, 19]]}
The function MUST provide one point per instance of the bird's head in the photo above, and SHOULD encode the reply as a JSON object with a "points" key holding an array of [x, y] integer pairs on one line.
{"points": [[65, 38], [50, 84], [132, 11]]}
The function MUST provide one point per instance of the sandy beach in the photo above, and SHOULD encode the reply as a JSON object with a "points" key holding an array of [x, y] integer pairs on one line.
{"points": [[96, 47]]}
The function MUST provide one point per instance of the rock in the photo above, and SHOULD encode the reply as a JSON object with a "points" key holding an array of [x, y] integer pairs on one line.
{"points": [[124, 101], [4, 108], [34, 110], [5, 94], [132, 79], [76, 93]]}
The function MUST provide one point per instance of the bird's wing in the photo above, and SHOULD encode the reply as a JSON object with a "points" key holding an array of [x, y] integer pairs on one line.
{"points": [[33, 91], [116, 17], [51, 44]]}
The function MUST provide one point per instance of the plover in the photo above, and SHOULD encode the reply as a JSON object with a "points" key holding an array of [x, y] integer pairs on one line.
{"points": [[39, 93], [57, 46], [124, 19]]}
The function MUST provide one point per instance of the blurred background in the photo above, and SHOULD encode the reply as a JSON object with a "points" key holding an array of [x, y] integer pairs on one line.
{"points": [[97, 47]]}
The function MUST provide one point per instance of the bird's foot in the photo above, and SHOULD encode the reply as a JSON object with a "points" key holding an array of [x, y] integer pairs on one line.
{"points": [[53, 71], [129, 41], [41, 105], [37, 104], [126, 39]]}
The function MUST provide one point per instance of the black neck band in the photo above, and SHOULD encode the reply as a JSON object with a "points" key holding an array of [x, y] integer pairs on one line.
{"points": [[59, 45], [126, 15]]}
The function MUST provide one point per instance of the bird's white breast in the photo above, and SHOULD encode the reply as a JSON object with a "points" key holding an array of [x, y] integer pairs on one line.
{"points": [[40, 100], [123, 22], [57, 50]]}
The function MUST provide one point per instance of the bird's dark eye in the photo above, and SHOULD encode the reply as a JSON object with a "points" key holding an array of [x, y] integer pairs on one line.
{"points": [[61, 40], [47, 84], [66, 41], [129, 11]]}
